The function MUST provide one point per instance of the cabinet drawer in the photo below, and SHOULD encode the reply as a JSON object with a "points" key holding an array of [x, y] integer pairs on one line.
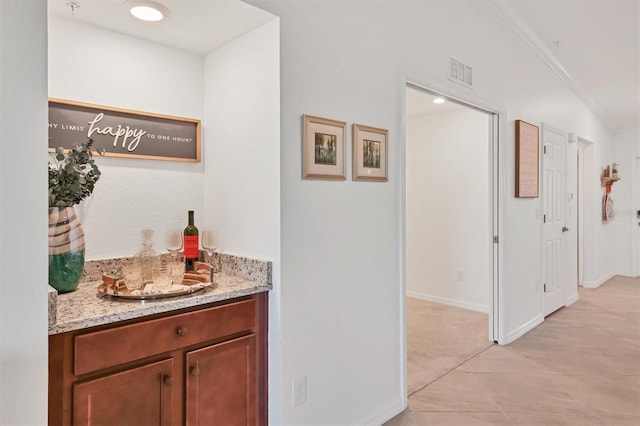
{"points": [[118, 345]]}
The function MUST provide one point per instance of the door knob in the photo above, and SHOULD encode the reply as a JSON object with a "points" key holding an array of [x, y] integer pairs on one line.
{"points": [[195, 371], [168, 380], [565, 229], [182, 331]]}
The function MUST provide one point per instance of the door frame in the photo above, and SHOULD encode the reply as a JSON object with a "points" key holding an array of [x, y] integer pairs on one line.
{"points": [[497, 125], [584, 169], [635, 218]]}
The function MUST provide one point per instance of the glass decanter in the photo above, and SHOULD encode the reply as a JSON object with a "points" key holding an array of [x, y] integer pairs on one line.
{"points": [[147, 257]]}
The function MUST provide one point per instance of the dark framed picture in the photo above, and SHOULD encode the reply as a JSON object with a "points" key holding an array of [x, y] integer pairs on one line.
{"points": [[370, 153], [323, 148], [123, 132]]}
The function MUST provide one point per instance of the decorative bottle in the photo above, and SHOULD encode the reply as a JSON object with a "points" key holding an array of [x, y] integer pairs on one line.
{"points": [[191, 252], [147, 257]]}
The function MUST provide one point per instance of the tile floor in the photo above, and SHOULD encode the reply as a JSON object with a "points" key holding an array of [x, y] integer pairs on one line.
{"points": [[580, 367]]}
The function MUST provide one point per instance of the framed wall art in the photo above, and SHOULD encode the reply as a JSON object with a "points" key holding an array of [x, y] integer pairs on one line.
{"points": [[323, 148], [122, 132], [369, 153], [527, 160]]}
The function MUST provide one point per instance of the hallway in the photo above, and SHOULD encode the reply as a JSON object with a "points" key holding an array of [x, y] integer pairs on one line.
{"points": [[580, 367]]}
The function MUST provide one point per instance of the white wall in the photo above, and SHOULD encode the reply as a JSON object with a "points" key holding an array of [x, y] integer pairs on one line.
{"points": [[624, 224], [94, 65], [447, 215], [342, 281], [23, 212], [242, 163]]}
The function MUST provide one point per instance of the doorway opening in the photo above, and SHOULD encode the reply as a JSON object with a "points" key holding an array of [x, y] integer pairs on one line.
{"points": [[451, 228]]}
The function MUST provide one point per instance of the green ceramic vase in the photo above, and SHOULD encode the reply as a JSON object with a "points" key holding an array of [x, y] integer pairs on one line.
{"points": [[66, 249]]}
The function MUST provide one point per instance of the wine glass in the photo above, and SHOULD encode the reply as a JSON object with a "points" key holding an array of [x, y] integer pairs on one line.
{"points": [[208, 244], [173, 242]]}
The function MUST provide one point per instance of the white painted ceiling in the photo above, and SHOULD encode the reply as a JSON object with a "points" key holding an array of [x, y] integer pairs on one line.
{"points": [[198, 26], [593, 45], [420, 103]]}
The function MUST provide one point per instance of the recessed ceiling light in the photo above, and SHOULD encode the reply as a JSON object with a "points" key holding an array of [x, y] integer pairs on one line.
{"points": [[439, 100], [147, 10]]}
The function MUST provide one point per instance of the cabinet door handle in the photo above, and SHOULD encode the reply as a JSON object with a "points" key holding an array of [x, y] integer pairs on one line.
{"points": [[195, 371], [168, 380], [182, 331]]}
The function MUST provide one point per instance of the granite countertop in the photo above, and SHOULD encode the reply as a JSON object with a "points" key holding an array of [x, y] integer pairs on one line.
{"points": [[85, 307]]}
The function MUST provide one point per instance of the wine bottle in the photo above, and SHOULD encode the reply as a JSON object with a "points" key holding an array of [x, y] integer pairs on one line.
{"points": [[191, 252]]}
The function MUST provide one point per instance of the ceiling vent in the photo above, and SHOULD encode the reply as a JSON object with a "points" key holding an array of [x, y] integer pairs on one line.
{"points": [[460, 73]]}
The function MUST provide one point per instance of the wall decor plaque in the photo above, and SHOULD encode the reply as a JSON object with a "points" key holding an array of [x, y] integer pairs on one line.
{"points": [[123, 132], [527, 160]]}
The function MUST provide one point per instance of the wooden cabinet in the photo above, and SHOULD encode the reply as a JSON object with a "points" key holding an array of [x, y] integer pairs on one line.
{"points": [[203, 366], [138, 396], [220, 384]]}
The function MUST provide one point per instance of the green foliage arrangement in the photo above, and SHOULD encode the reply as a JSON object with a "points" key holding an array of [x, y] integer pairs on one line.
{"points": [[73, 175]]}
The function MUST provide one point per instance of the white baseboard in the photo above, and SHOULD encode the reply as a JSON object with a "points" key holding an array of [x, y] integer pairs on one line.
{"points": [[523, 329], [599, 282], [451, 302], [386, 414], [629, 275], [572, 299]]}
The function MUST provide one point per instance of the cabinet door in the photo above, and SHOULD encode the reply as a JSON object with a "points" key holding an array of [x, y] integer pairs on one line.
{"points": [[141, 396], [222, 384]]}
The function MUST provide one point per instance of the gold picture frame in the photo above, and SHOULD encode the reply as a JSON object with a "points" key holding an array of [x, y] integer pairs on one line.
{"points": [[370, 153], [323, 148]]}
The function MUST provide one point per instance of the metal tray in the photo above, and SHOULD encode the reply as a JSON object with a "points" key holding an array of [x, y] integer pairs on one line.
{"points": [[193, 282], [103, 290]]}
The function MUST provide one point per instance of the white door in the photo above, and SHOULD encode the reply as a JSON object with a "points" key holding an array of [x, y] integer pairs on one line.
{"points": [[554, 196], [635, 222]]}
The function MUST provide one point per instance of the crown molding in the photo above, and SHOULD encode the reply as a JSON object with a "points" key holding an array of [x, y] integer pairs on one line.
{"points": [[533, 41]]}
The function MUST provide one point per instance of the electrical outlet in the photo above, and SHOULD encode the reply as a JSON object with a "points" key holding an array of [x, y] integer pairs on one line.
{"points": [[460, 275], [299, 391]]}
